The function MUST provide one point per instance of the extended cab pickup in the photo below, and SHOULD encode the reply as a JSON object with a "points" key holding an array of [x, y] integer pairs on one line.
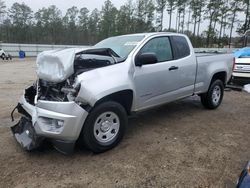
{"points": [[87, 94]]}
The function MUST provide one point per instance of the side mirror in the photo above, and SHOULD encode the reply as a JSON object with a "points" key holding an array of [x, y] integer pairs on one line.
{"points": [[145, 59]]}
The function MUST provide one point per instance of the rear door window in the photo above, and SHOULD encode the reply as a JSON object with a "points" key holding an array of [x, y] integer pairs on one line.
{"points": [[161, 47], [181, 46]]}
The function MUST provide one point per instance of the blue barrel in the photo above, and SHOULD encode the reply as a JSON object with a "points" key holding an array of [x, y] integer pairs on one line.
{"points": [[21, 54]]}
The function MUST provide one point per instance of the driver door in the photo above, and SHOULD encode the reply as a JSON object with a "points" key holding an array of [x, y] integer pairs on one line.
{"points": [[163, 81]]}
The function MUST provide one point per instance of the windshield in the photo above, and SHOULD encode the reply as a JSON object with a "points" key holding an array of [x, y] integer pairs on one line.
{"points": [[122, 45]]}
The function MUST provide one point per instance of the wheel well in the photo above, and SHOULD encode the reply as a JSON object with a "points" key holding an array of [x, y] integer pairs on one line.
{"points": [[124, 97], [221, 76]]}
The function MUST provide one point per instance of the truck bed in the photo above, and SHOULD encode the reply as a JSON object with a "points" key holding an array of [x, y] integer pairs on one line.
{"points": [[211, 61]]}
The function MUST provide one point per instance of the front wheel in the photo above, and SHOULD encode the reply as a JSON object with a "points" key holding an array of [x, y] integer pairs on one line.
{"points": [[213, 98], [104, 127]]}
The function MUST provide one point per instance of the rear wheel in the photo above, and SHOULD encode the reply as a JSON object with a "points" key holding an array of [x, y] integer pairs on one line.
{"points": [[104, 127], [213, 98]]}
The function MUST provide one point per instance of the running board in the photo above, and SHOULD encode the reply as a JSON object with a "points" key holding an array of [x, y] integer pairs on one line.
{"points": [[235, 87]]}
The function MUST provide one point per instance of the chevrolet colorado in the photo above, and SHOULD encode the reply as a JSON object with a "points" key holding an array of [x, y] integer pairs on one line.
{"points": [[86, 95]]}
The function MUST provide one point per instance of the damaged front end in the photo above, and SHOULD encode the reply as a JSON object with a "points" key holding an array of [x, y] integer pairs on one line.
{"points": [[49, 108], [59, 122], [24, 131]]}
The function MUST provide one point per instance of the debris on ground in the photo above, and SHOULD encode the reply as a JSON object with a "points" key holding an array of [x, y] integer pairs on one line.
{"points": [[247, 88]]}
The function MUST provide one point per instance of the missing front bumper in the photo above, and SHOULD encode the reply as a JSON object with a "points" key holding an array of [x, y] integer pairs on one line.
{"points": [[26, 136]]}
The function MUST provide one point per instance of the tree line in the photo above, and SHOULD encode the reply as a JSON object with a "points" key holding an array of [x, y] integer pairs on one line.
{"points": [[19, 24]]}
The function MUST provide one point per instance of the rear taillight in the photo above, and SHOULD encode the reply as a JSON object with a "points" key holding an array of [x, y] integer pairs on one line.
{"points": [[233, 63]]}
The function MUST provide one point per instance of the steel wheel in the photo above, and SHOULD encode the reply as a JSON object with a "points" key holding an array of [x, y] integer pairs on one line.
{"points": [[216, 95], [106, 127], [213, 97]]}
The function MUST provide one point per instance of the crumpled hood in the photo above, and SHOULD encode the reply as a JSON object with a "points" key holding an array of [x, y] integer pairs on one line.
{"points": [[56, 65]]}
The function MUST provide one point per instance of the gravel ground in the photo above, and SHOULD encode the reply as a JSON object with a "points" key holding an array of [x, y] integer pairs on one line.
{"points": [[180, 144]]}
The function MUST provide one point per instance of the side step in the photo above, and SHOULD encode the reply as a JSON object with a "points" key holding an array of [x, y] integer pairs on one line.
{"points": [[235, 87]]}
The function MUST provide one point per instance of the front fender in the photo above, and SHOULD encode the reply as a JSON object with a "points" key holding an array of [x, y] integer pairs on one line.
{"points": [[102, 82], [88, 95]]}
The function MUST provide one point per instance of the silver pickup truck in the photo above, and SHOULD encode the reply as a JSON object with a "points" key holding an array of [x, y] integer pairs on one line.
{"points": [[86, 95]]}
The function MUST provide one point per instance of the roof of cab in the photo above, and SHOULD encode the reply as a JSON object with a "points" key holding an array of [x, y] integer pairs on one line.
{"points": [[153, 34]]}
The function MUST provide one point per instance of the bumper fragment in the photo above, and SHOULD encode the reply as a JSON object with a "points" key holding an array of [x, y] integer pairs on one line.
{"points": [[25, 134], [65, 147]]}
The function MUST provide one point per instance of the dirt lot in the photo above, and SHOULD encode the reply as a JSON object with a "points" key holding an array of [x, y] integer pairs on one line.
{"points": [[177, 145]]}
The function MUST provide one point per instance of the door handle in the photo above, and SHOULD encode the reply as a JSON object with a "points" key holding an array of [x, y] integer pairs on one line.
{"points": [[173, 68]]}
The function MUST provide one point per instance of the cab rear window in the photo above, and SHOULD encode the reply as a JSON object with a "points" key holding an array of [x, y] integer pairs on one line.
{"points": [[181, 47]]}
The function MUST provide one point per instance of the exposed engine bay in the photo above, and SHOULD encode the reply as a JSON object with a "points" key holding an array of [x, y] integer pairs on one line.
{"points": [[55, 91], [67, 90]]}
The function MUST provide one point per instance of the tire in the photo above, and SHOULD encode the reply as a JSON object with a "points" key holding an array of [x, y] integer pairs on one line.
{"points": [[213, 98], [104, 127], [3, 56]]}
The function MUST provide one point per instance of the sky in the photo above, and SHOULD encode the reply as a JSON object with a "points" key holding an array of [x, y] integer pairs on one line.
{"points": [[64, 5], [90, 4]]}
